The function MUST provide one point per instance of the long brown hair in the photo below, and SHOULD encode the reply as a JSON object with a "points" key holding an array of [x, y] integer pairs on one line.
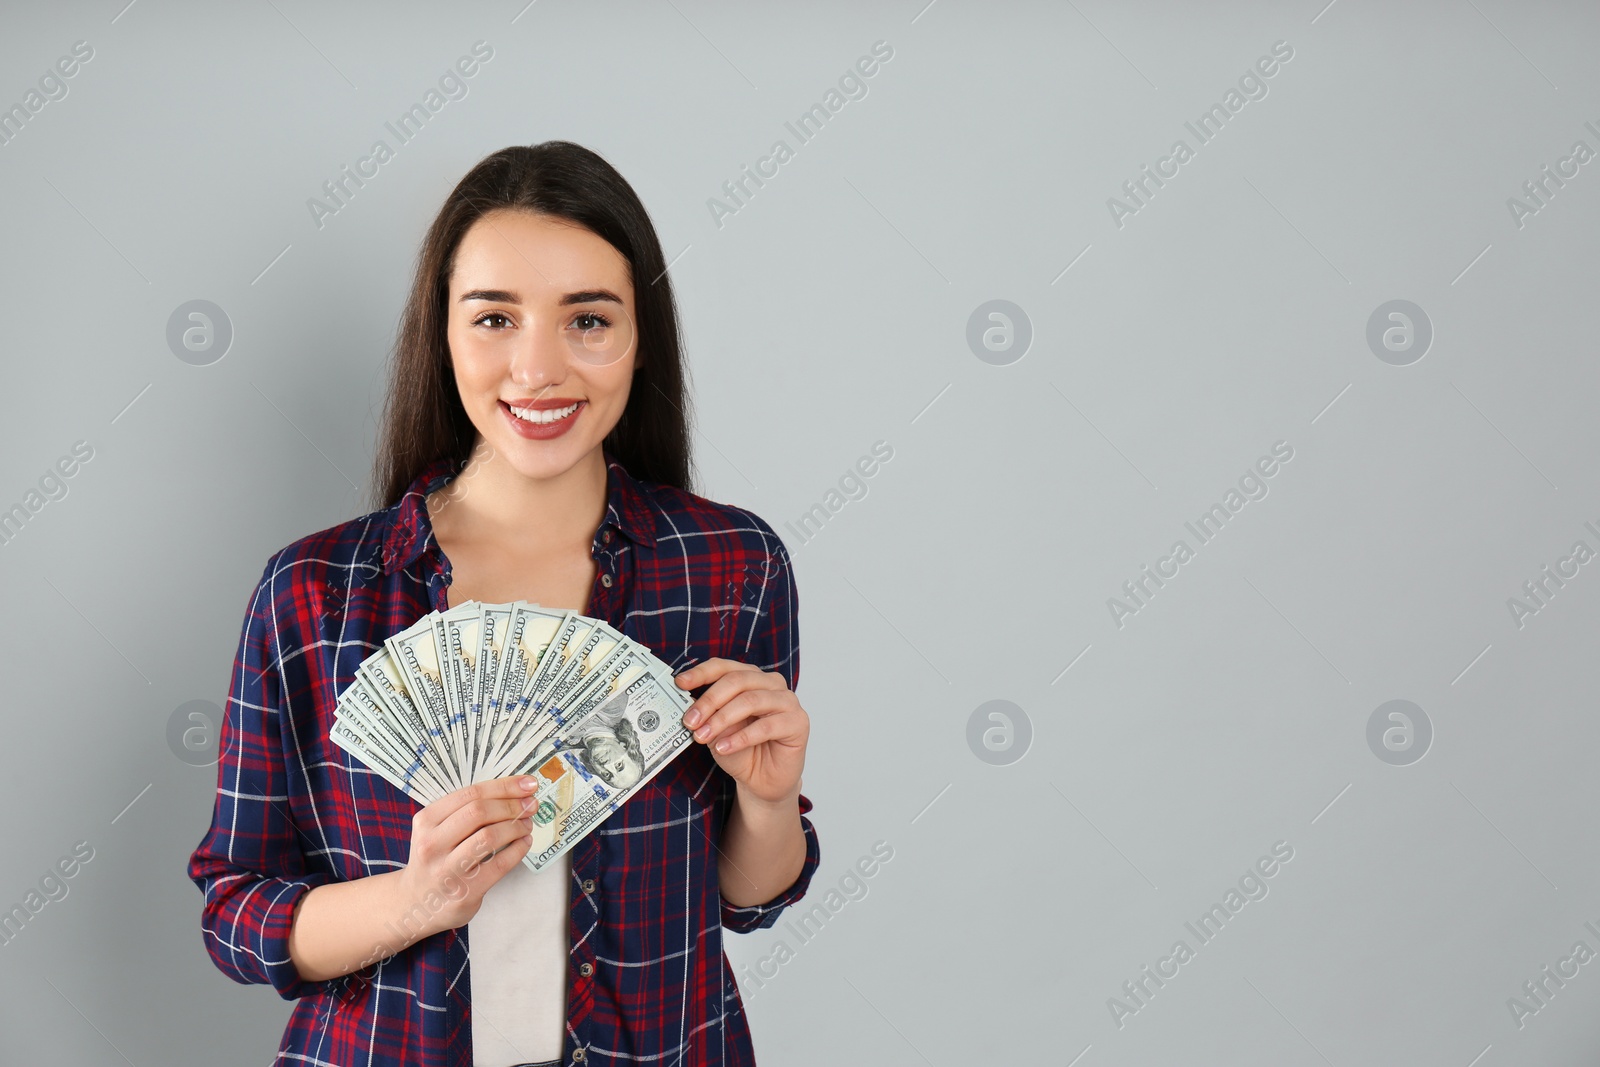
{"points": [[423, 417]]}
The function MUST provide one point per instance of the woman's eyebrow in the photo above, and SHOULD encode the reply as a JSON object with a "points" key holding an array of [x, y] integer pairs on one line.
{"points": [[589, 296], [506, 296]]}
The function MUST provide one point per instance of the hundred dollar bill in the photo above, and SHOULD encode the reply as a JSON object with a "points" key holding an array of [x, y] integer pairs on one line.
{"points": [[524, 705], [342, 735], [580, 671], [457, 631], [564, 646], [602, 759], [620, 666], [364, 715], [602, 643], [582, 655], [416, 651], [550, 810], [532, 631], [374, 752], [594, 646], [617, 669], [385, 676], [369, 746], [408, 756], [491, 649], [387, 681], [620, 670], [455, 716]]}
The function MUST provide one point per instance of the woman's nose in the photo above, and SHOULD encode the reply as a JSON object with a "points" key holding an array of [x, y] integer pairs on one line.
{"points": [[540, 358]]}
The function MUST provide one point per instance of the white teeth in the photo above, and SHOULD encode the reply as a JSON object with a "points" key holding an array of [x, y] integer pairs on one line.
{"points": [[530, 415]]}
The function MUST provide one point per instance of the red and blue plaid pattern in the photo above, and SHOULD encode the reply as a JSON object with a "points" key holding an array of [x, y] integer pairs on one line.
{"points": [[691, 579]]}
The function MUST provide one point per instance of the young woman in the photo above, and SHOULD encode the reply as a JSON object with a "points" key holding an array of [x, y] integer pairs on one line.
{"points": [[535, 447]]}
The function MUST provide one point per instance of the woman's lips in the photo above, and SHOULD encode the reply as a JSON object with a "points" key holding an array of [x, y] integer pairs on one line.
{"points": [[543, 431]]}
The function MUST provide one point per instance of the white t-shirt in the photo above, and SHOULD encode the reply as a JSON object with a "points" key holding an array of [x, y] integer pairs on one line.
{"points": [[518, 941]]}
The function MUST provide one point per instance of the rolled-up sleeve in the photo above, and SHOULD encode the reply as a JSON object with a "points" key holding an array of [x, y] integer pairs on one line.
{"points": [[250, 865], [773, 645], [760, 916]]}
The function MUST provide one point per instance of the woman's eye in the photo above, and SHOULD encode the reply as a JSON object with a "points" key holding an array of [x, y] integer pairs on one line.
{"points": [[590, 320], [490, 315]]}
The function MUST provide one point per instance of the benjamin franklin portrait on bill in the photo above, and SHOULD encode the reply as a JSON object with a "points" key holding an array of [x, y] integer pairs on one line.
{"points": [[608, 744]]}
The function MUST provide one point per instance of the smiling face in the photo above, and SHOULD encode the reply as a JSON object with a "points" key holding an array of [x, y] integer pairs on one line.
{"points": [[541, 323]]}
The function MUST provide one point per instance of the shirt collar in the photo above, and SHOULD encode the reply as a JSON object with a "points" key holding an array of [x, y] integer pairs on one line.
{"points": [[628, 510]]}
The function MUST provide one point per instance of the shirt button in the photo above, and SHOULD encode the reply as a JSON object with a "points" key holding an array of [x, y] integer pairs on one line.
{"points": [[588, 885], [607, 537], [605, 580], [586, 969], [578, 1055]]}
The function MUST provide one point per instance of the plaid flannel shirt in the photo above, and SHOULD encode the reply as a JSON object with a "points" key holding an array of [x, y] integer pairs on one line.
{"points": [[689, 578]]}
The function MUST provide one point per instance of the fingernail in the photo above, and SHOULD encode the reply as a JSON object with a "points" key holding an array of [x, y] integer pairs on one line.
{"points": [[702, 733], [722, 746], [528, 783], [527, 805], [691, 718]]}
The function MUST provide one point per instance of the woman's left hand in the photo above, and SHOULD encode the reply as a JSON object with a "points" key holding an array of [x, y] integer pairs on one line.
{"points": [[754, 726]]}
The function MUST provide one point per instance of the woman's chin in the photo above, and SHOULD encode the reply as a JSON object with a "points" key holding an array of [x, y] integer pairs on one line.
{"points": [[545, 459]]}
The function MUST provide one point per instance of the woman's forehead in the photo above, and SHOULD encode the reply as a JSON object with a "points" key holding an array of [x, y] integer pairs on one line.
{"points": [[536, 257]]}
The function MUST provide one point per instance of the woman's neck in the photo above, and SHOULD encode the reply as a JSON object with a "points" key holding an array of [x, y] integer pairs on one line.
{"points": [[490, 500]]}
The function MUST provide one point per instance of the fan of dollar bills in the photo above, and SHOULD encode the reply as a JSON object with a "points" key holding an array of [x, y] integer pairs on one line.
{"points": [[491, 690]]}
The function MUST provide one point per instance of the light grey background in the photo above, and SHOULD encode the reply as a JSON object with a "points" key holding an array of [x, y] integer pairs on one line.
{"points": [[831, 312]]}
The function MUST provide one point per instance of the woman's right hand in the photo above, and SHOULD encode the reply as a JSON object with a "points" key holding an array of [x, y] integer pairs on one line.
{"points": [[450, 867]]}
